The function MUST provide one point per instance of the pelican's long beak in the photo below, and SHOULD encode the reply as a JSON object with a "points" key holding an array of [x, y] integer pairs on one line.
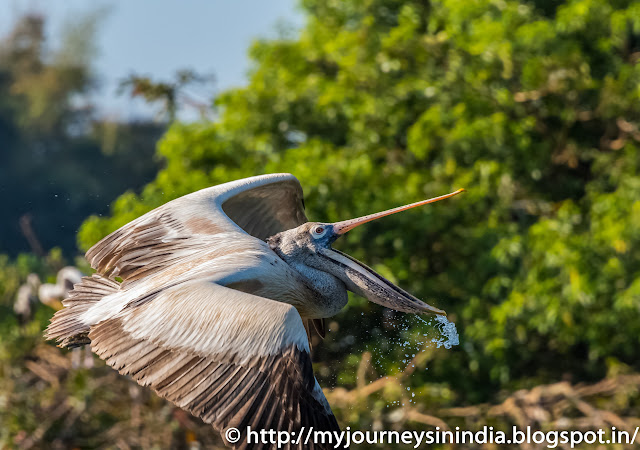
{"points": [[364, 281], [347, 225]]}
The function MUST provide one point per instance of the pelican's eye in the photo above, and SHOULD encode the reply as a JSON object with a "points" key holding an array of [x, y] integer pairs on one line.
{"points": [[318, 231]]}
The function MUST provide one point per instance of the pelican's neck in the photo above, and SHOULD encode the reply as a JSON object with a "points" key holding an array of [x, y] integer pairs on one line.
{"points": [[322, 282], [330, 292]]}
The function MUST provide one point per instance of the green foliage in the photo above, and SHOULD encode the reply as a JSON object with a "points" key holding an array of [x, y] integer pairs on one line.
{"points": [[533, 108]]}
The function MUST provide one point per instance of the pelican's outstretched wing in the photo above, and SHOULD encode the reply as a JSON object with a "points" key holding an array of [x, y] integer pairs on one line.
{"points": [[231, 358], [256, 207]]}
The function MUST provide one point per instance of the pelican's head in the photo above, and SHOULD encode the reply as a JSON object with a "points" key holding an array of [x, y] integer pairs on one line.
{"points": [[309, 246]]}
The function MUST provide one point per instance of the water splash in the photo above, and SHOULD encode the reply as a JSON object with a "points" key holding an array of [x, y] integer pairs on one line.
{"points": [[400, 338], [448, 332], [408, 336]]}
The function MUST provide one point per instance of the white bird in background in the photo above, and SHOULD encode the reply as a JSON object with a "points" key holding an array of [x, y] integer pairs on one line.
{"points": [[218, 291], [26, 298], [50, 294], [32, 291]]}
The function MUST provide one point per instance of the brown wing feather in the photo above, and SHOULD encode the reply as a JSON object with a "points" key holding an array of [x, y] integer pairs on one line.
{"points": [[268, 210], [268, 392], [145, 246], [66, 326]]}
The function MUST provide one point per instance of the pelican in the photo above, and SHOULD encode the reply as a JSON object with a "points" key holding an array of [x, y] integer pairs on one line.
{"points": [[208, 300], [26, 298], [51, 294]]}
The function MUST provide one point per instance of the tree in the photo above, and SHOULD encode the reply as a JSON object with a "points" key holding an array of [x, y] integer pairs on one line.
{"points": [[172, 95], [59, 161]]}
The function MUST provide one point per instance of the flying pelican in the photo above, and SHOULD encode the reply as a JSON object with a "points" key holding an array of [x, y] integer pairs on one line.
{"points": [[208, 300]]}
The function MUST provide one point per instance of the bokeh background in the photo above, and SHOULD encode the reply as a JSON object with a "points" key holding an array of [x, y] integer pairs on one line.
{"points": [[532, 106]]}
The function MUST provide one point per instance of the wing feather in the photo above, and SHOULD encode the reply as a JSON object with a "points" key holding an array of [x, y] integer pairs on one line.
{"points": [[253, 208], [248, 364]]}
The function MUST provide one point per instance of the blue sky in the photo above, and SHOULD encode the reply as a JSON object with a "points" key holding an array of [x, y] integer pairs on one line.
{"points": [[158, 37]]}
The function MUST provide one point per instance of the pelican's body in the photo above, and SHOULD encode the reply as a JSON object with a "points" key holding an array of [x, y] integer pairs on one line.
{"points": [[219, 289]]}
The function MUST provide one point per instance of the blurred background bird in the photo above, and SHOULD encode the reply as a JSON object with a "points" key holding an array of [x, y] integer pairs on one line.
{"points": [[52, 294]]}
